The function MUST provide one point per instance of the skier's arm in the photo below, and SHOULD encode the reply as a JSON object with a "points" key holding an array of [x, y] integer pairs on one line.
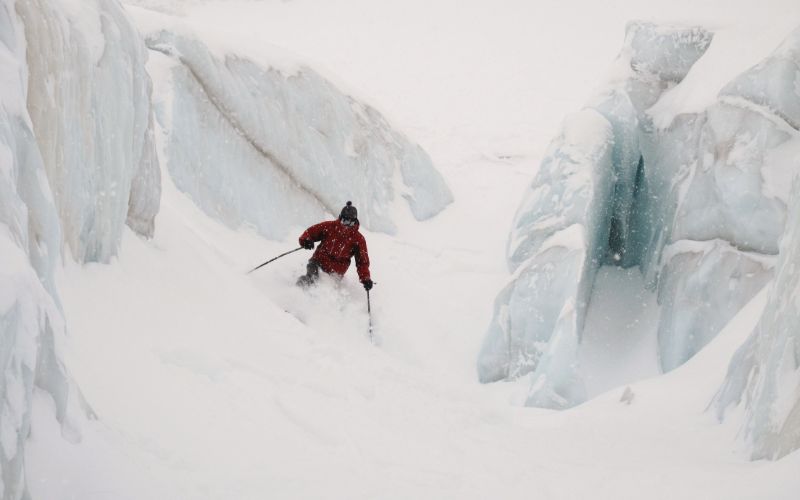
{"points": [[314, 233], [362, 260]]}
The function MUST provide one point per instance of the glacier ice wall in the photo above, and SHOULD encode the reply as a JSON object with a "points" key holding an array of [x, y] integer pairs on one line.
{"points": [[703, 285], [89, 101], [255, 145], [588, 192], [724, 209], [773, 84], [31, 322], [560, 227], [764, 375], [700, 207], [77, 161]]}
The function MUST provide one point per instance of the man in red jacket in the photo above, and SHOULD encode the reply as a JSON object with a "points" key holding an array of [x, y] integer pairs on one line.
{"points": [[339, 241]]}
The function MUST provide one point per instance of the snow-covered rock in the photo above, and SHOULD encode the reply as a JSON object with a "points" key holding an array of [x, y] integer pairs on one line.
{"points": [[31, 322], [764, 375], [89, 102], [581, 212], [276, 146]]}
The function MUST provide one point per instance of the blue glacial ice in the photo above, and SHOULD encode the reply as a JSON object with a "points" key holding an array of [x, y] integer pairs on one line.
{"points": [[700, 207], [583, 210], [553, 252], [730, 194]]}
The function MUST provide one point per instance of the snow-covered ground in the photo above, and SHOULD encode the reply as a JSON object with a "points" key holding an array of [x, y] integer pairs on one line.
{"points": [[212, 383]]}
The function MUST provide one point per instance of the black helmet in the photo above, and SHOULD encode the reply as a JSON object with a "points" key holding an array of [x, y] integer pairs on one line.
{"points": [[348, 212]]}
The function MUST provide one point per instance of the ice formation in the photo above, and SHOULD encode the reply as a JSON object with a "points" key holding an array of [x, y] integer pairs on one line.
{"points": [[560, 227], [77, 160], [700, 207], [272, 148], [89, 101], [580, 213], [31, 322], [703, 284], [730, 196], [764, 375], [773, 84]]}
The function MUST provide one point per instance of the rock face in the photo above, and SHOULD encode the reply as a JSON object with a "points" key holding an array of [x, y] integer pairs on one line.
{"points": [[699, 207], [275, 149]]}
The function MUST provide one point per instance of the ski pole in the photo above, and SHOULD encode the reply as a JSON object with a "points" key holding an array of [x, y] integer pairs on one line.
{"points": [[369, 314], [274, 258]]}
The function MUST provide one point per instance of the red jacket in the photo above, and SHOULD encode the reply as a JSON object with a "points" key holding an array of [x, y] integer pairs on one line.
{"points": [[338, 244]]}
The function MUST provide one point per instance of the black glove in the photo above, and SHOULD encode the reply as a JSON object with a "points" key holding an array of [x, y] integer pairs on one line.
{"points": [[367, 284], [307, 244]]}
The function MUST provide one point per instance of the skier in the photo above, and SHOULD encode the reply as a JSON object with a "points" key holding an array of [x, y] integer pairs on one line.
{"points": [[339, 241]]}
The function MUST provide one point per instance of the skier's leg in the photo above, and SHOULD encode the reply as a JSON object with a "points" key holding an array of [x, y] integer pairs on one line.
{"points": [[312, 270], [311, 276]]}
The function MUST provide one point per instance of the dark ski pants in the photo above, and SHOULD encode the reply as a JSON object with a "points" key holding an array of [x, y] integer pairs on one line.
{"points": [[311, 276]]}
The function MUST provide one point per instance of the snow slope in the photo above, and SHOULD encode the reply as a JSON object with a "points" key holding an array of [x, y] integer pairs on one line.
{"points": [[206, 388], [210, 383]]}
